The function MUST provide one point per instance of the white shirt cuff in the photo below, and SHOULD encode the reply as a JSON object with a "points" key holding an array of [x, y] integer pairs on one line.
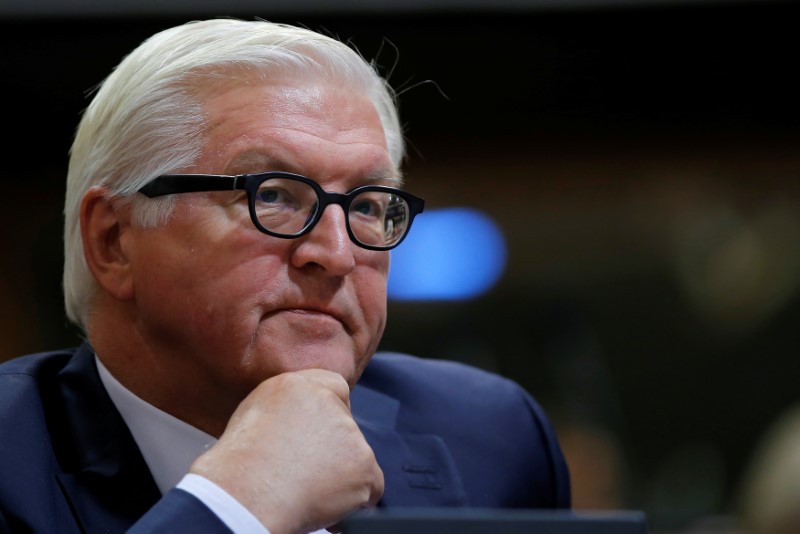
{"points": [[230, 511]]}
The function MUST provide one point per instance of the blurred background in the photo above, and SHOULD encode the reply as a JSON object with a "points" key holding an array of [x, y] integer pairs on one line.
{"points": [[637, 162]]}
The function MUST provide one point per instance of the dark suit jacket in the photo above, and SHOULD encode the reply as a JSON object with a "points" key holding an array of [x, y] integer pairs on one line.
{"points": [[444, 434]]}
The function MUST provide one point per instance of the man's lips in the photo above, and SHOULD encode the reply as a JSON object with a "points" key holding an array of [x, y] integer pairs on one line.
{"points": [[311, 312]]}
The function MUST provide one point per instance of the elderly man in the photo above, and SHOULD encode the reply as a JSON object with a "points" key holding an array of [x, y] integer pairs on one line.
{"points": [[232, 195]]}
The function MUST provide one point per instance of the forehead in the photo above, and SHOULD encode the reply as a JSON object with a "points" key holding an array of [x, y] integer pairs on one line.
{"points": [[292, 122]]}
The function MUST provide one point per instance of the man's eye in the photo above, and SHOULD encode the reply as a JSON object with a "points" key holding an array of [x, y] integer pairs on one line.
{"points": [[365, 207], [371, 204], [269, 195]]}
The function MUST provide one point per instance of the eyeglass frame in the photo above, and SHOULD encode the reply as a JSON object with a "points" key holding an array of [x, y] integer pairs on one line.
{"points": [[168, 184]]}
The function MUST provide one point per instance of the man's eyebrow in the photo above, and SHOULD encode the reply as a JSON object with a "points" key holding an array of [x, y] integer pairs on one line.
{"points": [[389, 176], [259, 161], [252, 160]]}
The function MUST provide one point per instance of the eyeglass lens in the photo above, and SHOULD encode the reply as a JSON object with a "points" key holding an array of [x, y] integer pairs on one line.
{"points": [[287, 207]]}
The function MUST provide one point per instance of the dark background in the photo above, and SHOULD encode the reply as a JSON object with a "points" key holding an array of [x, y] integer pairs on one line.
{"points": [[641, 159]]}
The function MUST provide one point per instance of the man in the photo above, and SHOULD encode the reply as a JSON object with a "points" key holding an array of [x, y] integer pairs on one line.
{"points": [[231, 199]]}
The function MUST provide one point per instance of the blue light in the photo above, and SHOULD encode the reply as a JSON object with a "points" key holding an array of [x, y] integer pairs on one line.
{"points": [[449, 254]]}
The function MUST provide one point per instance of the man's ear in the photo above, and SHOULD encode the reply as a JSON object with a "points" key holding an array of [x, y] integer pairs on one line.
{"points": [[103, 224]]}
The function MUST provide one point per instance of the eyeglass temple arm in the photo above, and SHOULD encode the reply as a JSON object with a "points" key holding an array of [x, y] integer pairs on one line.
{"points": [[169, 184]]}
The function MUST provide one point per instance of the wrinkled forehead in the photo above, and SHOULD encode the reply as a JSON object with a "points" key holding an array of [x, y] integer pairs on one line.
{"points": [[206, 85], [305, 68], [286, 99], [303, 127]]}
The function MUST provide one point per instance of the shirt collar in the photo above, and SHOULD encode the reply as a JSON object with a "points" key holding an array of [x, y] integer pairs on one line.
{"points": [[168, 445]]}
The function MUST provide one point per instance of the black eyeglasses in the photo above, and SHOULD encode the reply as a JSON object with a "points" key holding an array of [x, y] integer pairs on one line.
{"points": [[288, 205]]}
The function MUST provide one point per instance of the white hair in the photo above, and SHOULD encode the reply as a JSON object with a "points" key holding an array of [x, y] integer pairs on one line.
{"points": [[147, 118]]}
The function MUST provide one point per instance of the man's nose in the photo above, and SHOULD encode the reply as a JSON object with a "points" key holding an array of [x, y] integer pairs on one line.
{"points": [[327, 244]]}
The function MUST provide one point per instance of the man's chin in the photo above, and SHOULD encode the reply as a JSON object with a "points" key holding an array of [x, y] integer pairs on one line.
{"points": [[347, 370], [347, 365], [341, 362]]}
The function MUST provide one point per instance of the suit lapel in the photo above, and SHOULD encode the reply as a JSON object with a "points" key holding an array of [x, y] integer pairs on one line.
{"points": [[105, 476], [418, 469], [109, 485]]}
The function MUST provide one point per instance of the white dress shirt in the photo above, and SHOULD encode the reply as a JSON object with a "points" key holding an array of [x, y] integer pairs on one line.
{"points": [[169, 446]]}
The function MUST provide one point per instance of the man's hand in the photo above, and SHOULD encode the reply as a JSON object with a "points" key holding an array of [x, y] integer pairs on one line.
{"points": [[293, 455]]}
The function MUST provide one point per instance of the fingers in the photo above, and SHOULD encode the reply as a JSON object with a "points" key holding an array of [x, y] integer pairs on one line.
{"points": [[293, 454], [328, 379]]}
